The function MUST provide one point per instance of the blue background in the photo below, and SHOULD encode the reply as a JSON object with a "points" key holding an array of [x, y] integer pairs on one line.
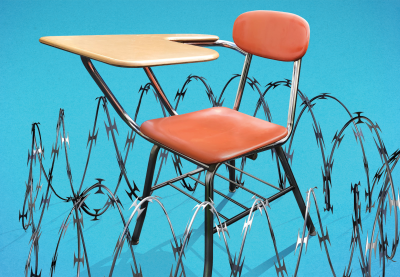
{"points": [[353, 55]]}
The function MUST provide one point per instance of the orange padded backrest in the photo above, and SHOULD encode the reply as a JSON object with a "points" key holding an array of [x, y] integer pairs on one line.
{"points": [[273, 35]]}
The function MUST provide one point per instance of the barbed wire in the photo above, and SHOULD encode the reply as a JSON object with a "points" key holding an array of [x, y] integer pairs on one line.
{"points": [[78, 197]]}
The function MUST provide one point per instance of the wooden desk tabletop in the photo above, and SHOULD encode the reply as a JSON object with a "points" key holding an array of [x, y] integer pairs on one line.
{"points": [[136, 50]]}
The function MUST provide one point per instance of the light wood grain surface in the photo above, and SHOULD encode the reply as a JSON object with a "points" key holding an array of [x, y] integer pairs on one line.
{"points": [[137, 50]]}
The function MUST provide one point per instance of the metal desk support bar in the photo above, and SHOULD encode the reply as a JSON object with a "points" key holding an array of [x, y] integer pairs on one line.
{"points": [[159, 91]]}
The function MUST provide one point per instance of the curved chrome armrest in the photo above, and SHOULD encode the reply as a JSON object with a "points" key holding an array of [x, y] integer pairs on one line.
{"points": [[246, 66], [223, 43]]}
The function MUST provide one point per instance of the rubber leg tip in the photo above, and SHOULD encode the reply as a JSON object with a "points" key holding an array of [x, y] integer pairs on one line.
{"points": [[135, 242]]}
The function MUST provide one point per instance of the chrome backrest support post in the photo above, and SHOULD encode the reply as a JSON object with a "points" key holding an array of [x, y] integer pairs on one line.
{"points": [[242, 82], [293, 95], [160, 92]]}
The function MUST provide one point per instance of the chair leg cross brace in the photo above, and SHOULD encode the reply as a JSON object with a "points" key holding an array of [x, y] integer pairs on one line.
{"points": [[247, 211], [209, 228]]}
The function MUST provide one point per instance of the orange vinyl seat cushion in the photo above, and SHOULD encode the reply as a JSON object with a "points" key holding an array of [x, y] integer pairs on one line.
{"points": [[213, 135]]}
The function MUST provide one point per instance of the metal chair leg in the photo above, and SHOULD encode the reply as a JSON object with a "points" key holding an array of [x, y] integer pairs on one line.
{"points": [[232, 186], [146, 192], [292, 181], [209, 222]]}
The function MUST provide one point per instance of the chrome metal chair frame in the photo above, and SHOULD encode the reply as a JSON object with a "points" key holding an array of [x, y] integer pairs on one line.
{"points": [[211, 169]]}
